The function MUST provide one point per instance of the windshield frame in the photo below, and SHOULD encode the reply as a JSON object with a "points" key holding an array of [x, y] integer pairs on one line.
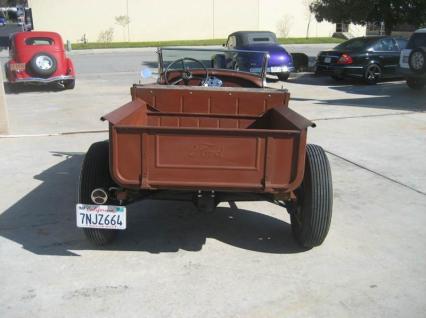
{"points": [[262, 74]]}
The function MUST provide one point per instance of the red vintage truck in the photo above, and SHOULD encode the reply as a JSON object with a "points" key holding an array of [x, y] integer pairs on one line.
{"points": [[206, 135]]}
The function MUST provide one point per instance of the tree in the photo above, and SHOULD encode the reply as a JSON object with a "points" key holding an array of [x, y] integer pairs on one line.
{"points": [[123, 21], [284, 25], [391, 12], [308, 13], [106, 35]]}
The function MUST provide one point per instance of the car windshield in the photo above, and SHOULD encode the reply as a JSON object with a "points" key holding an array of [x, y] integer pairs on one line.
{"points": [[243, 61], [417, 40], [355, 44]]}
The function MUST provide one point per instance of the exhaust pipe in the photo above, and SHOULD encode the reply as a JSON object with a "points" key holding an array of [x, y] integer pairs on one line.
{"points": [[99, 196]]}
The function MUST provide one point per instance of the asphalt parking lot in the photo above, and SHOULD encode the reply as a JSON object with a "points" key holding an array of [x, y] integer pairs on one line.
{"points": [[240, 261]]}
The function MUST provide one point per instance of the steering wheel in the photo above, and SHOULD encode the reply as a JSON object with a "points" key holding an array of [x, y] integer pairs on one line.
{"points": [[186, 74]]}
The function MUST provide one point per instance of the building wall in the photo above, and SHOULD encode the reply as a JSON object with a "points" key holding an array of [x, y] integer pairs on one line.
{"points": [[175, 20]]}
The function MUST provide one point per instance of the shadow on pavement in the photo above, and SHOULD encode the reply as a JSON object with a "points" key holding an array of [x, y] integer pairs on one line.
{"points": [[309, 78], [150, 64], [326, 80], [43, 222], [21, 88], [385, 95]]}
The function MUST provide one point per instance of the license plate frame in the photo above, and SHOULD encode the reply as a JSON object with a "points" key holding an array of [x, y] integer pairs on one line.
{"points": [[109, 217]]}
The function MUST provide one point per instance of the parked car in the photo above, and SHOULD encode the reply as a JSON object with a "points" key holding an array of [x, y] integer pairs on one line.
{"points": [[413, 60], [205, 135], [3, 19], [368, 58], [280, 61], [39, 58]]}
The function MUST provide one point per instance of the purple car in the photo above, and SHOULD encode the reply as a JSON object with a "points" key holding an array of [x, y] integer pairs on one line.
{"points": [[280, 61]]}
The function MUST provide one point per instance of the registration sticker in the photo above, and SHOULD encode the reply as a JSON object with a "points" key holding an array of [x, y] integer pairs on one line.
{"points": [[101, 216]]}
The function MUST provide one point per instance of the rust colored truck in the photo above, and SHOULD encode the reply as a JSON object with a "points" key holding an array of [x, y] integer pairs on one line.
{"points": [[206, 135]]}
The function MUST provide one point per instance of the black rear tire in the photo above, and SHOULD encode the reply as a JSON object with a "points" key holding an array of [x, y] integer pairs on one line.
{"points": [[283, 76], [417, 61], [95, 174], [373, 74], [310, 220]]}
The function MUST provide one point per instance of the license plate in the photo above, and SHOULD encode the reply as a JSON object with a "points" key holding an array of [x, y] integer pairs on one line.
{"points": [[327, 60], [17, 67], [279, 69], [101, 216], [255, 70]]}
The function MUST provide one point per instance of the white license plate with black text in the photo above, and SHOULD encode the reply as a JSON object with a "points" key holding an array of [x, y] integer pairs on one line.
{"points": [[279, 69], [101, 216]]}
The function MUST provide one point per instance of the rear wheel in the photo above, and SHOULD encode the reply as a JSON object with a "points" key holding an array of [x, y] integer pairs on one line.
{"points": [[416, 84], [373, 74], [283, 76], [95, 174], [417, 61], [310, 219]]}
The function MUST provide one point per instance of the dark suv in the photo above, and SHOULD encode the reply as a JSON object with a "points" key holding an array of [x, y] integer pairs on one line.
{"points": [[412, 62]]}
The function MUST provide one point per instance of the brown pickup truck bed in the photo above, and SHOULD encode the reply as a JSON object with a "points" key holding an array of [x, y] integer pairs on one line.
{"points": [[200, 138]]}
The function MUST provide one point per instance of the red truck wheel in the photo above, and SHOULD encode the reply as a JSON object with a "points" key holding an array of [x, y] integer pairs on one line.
{"points": [[310, 221], [95, 174]]}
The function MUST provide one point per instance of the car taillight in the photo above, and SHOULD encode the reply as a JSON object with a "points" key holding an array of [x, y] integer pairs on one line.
{"points": [[345, 59]]}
